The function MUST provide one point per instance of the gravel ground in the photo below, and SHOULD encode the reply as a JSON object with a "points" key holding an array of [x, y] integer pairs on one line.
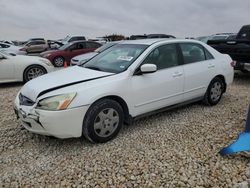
{"points": [[178, 148]]}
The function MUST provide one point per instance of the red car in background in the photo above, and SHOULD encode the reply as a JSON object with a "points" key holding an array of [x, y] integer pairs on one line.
{"points": [[68, 51]]}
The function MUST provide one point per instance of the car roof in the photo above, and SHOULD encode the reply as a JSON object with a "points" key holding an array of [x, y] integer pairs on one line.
{"points": [[159, 40]]}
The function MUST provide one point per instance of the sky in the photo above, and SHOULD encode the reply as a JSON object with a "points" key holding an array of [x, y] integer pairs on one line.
{"points": [[54, 19]]}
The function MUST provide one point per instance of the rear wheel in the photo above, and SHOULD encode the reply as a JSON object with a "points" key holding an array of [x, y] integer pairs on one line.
{"points": [[32, 72], [103, 121], [214, 92], [58, 61]]}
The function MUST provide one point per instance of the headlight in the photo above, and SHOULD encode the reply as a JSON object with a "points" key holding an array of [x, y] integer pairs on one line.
{"points": [[58, 102]]}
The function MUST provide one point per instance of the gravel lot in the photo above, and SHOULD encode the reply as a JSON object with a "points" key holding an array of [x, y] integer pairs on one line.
{"points": [[178, 148]]}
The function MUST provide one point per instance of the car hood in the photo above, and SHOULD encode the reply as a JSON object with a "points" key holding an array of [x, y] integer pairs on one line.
{"points": [[59, 79], [85, 56]]}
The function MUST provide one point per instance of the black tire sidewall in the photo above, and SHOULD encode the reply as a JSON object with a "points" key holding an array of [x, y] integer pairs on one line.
{"points": [[57, 58], [94, 110], [208, 93], [25, 76]]}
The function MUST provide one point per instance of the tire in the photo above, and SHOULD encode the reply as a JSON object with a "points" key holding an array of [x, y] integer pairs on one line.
{"points": [[58, 61], [103, 121], [32, 72], [214, 92]]}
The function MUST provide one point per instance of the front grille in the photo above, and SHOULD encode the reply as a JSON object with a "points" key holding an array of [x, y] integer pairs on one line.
{"points": [[25, 100]]}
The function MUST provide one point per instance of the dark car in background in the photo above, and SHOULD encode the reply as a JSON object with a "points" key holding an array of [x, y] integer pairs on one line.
{"points": [[68, 51], [150, 36], [237, 47]]}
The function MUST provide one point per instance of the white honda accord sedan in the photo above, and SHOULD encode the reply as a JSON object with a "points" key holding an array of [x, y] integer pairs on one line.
{"points": [[126, 81]]}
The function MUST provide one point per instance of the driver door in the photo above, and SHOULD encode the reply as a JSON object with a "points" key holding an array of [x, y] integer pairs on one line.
{"points": [[162, 88], [6, 69]]}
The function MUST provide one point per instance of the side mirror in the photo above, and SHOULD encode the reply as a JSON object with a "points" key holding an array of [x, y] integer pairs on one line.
{"points": [[148, 68]]}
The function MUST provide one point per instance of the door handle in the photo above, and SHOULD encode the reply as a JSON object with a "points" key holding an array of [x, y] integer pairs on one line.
{"points": [[177, 74], [211, 66]]}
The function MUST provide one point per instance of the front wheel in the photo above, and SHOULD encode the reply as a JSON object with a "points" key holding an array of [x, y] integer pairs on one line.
{"points": [[32, 72], [103, 121], [214, 92]]}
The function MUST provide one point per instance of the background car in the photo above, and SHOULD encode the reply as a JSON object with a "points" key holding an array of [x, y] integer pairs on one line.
{"points": [[68, 51], [80, 59], [126, 81], [237, 47], [11, 49], [22, 68], [35, 46], [70, 39]]}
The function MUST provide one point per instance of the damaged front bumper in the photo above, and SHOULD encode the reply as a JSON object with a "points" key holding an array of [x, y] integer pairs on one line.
{"points": [[60, 124]]}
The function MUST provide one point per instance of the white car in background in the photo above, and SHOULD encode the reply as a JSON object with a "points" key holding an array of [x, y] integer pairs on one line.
{"points": [[81, 59], [11, 49], [19, 68], [126, 81]]}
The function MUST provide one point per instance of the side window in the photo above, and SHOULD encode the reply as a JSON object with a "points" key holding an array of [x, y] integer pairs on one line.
{"points": [[40, 42], [208, 55], [81, 45], [165, 56], [192, 53], [93, 45], [31, 43], [72, 39], [72, 47], [81, 38]]}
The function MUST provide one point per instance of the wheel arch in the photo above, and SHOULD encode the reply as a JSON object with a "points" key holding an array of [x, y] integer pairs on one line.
{"points": [[122, 102], [220, 76]]}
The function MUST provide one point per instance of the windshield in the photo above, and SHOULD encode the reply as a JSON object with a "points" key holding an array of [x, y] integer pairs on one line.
{"points": [[66, 39], [65, 46], [117, 58], [104, 47]]}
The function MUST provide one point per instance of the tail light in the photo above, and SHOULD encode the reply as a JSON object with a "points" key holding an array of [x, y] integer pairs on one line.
{"points": [[22, 49], [233, 63]]}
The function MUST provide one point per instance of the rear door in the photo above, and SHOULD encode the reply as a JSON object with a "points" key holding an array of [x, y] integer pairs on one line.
{"points": [[199, 69]]}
